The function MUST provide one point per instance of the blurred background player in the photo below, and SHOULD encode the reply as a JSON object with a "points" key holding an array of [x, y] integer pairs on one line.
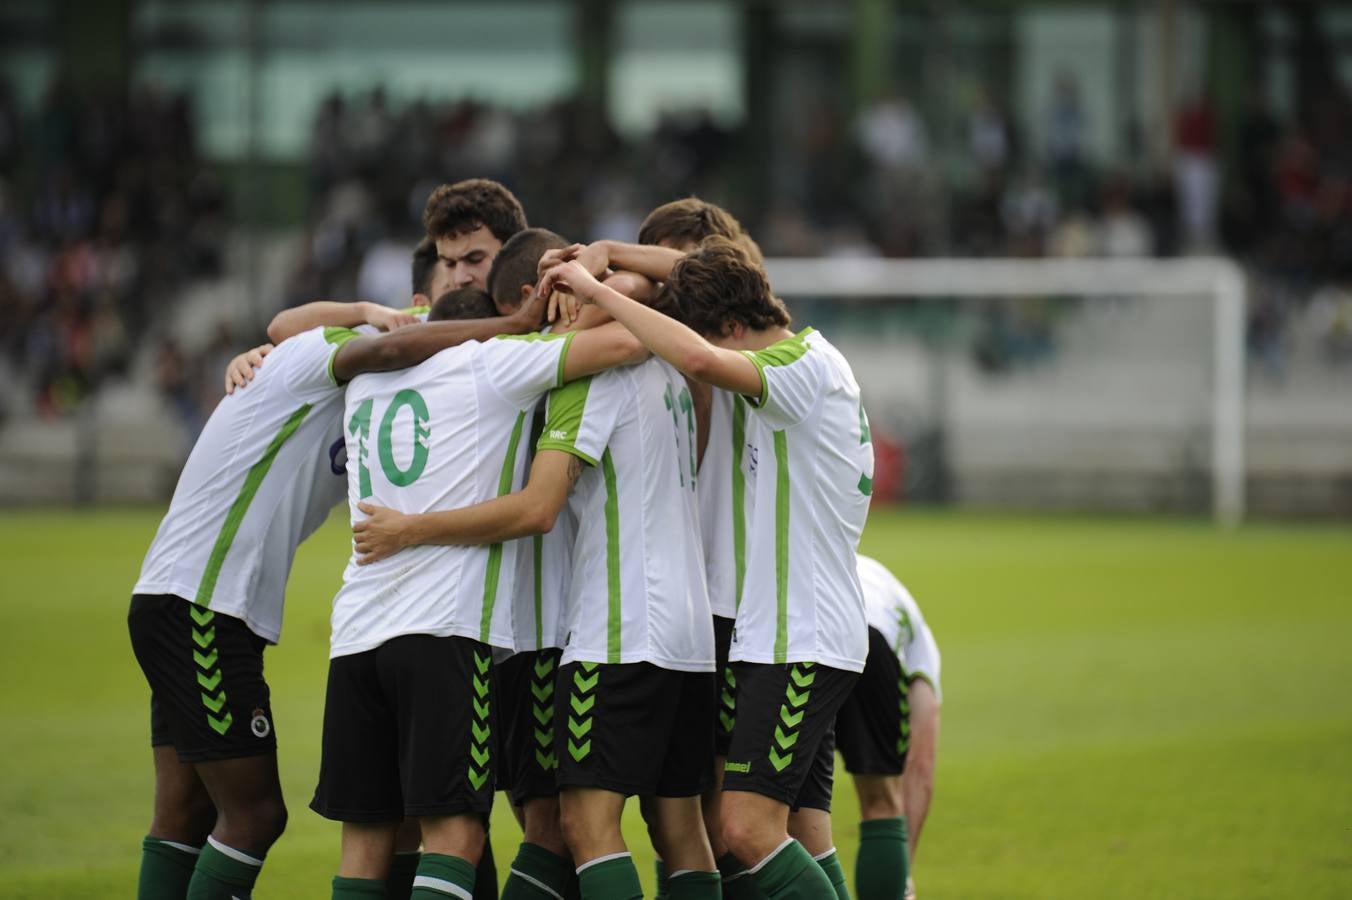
{"points": [[801, 636], [887, 727]]}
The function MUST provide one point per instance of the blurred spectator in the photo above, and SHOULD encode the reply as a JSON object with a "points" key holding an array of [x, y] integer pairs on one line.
{"points": [[1196, 175]]}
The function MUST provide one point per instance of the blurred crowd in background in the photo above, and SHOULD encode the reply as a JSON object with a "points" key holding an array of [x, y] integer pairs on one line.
{"points": [[107, 211]]}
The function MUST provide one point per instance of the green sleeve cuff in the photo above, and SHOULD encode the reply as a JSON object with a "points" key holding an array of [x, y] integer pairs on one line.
{"points": [[563, 359]]}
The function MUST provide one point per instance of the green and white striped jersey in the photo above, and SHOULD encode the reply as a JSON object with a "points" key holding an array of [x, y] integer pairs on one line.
{"points": [[262, 476], [445, 434], [544, 566], [726, 481], [893, 611], [801, 600], [637, 592]]}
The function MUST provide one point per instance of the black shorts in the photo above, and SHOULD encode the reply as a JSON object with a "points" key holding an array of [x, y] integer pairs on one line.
{"points": [[526, 710], [727, 686], [208, 699], [874, 726], [408, 731], [783, 745], [634, 728]]}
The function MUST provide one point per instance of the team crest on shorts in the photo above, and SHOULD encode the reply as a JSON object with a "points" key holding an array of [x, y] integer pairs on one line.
{"points": [[260, 725]]}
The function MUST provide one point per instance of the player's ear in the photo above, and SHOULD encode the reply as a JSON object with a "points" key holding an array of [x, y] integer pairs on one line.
{"points": [[421, 300], [527, 293]]}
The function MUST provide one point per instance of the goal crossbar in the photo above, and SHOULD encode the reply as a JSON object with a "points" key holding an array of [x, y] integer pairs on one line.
{"points": [[1218, 280]]}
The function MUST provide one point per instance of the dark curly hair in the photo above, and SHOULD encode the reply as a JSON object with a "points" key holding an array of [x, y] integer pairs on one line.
{"points": [[720, 285], [460, 208]]}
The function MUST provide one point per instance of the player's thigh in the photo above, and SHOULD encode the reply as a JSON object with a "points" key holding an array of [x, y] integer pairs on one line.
{"points": [[444, 719], [785, 714], [359, 747], [205, 671], [872, 728], [614, 725]]}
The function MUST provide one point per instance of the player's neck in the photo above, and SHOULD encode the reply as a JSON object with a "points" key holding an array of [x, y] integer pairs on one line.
{"points": [[763, 337]]}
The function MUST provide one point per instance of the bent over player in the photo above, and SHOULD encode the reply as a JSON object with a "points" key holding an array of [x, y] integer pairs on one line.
{"points": [[800, 637], [890, 725]]}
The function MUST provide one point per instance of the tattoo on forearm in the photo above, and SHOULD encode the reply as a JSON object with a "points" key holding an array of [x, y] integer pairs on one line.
{"points": [[574, 470]]}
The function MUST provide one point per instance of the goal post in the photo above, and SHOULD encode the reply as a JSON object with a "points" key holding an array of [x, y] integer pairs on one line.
{"points": [[1216, 280]]}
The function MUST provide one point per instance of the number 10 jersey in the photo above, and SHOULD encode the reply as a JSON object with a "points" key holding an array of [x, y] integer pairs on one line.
{"points": [[445, 434]]}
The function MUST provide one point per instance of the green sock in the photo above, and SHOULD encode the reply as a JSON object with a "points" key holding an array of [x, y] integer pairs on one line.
{"points": [[610, 878], [441, 876], [881, 868], [356, 888], [399, 883], [830, 864], [790, 873], [224, 873], [738, 883], [696, 886], [537, 874], [660, 870], [486, 875], [166, 869]]}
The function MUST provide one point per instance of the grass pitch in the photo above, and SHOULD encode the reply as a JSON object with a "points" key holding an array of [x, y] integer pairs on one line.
{"points": [[1133, 708]]}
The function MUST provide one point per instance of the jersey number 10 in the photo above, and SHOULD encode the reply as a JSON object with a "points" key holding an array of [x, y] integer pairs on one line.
{"points": [[360, 426]]}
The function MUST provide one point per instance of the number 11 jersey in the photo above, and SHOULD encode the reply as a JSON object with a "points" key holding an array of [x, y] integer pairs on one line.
{"points": [[445, 434]]}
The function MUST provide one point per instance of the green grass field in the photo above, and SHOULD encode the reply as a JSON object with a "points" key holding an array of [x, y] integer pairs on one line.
{"points": [[1133, 708]]}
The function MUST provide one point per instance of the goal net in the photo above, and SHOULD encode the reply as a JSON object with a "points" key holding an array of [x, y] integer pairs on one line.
{"points": [[1078, 384]]}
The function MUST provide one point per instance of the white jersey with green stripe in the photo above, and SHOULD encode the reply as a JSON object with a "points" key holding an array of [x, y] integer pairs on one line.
{"points": [[801, 599], [637, 592], [263, 475], [445, 434], [544, 567], [894, 613], [727, 477]]}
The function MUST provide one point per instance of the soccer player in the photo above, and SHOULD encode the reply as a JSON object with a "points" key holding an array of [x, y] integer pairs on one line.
{"points": [[635, 685], [408, 717], [801, 637], [261, 478], [890, 725]]}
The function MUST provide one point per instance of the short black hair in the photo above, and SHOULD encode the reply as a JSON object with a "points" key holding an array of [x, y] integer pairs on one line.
{"points": [[463, 303], [516, 263], [460, 208], [424, 264]]}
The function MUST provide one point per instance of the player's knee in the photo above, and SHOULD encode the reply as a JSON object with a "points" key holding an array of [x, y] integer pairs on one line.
{"points": [[267, 822], [879, 797], [188, 823], [742, 835]]}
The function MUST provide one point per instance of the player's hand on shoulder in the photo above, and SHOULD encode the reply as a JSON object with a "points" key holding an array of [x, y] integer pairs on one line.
{"points": [[387, 319], [379, 535], [240, 370]]}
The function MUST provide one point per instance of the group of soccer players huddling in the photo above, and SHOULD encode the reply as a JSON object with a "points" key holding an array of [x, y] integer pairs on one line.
{"points": [[605, 510]]}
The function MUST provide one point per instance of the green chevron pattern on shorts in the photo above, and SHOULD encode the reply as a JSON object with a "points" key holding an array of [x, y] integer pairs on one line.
{"points": [[582, 697], [479, 728], [542, 707], [904, 707], [727, 701], [797, 692], [209, 675]]}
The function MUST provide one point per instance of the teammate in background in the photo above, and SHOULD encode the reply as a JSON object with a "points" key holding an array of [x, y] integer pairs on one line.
{"points": [[725, 469], [542, 866], [635, 684], [890, 725], [442, 434], [801, 637], [261, 478]]}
